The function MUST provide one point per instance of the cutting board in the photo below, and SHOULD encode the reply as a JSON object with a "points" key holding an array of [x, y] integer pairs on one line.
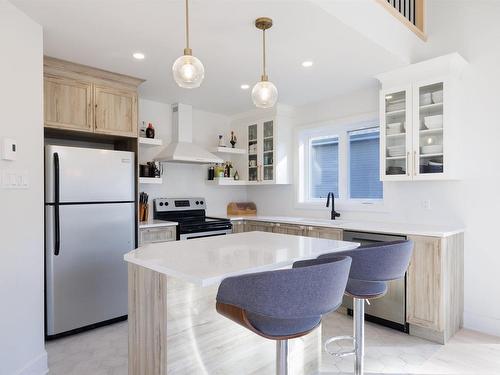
{"points": [[241, 209]]}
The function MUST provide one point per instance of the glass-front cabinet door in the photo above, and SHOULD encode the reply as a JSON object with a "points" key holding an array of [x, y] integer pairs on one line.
{"points": [[428, 136], [396, 134], [253, 145], [268, 151]]}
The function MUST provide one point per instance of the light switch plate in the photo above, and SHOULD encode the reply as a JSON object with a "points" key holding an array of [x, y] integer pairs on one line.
{"points": [[8, 149], [14, 180]]}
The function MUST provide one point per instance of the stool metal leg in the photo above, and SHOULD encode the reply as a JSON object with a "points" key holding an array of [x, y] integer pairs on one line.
{"points": [[359, 335], [282, 357]]}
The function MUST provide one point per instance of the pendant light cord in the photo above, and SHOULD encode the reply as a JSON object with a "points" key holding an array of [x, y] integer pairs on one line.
{"points": [[264, 52], [187, 24]]}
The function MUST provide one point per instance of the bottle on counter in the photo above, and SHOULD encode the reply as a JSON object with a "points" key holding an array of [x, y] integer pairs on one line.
{"points": [[211, 173], [236, 176]]}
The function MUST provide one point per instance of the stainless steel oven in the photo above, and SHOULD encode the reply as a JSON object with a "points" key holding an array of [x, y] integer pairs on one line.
{"points": [[191, 218], [389, 310]]}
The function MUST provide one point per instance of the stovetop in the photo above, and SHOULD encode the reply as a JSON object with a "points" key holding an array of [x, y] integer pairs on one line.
{"points": [[189, 213]]}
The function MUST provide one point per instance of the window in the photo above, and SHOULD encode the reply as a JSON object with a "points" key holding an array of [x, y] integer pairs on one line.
{"points": [[364, 163], [340, 158], [324, 167]]}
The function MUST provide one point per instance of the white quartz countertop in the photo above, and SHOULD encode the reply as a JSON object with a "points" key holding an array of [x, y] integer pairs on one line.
{"points": [[156, 223], [207, 261], [363, 226]]}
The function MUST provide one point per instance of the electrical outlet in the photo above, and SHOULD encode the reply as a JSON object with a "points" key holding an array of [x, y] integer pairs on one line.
{"points": [[426, 204]]}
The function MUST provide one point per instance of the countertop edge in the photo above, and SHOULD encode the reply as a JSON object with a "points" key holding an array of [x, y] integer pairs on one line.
{"points": [[362, 227], [156, 224]]}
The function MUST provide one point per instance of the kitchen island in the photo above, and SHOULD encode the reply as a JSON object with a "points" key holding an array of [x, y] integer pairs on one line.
{"points": [[173, 325]]}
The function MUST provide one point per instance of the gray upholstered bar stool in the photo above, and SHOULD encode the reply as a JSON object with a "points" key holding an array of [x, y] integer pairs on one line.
{"points": [[285, 304], [372, 267]]}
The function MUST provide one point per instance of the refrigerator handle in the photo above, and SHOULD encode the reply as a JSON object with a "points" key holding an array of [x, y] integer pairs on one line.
{"points": [[57, 229]]}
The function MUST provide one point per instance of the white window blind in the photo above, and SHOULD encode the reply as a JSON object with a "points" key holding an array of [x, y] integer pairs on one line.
{"points": [[364, 164], [324, 167]]}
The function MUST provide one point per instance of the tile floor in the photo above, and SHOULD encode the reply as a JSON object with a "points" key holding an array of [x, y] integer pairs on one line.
{"points": [[104, 352]]}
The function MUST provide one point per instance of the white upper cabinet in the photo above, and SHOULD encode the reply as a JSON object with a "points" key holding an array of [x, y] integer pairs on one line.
{"points": [[268, 139], [420, 121]]}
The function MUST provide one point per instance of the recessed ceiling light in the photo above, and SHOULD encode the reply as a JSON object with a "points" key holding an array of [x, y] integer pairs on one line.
{"points": [[139, 56], [245, 86], [307, 64]]}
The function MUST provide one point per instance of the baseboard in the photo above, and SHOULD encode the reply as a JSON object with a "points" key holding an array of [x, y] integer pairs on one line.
{"points": [[37, 366], [481, 323]]}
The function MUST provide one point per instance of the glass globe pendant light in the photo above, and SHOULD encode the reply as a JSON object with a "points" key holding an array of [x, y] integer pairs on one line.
{"points": [[188, 71], [264, 93]]}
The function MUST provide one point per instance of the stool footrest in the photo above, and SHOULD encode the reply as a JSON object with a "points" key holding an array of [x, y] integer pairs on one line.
{"points": [[340, 354]]}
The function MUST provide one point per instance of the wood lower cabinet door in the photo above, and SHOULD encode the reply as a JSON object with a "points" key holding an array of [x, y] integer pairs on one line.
{"points": [[295, 230], [115, 111], [424, 283], [238, 226], [67, 104], [328, 233], [259, 226]]}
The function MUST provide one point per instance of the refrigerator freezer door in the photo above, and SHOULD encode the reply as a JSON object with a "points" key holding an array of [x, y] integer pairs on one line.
{"points": [[87, 282], [90, 175]]}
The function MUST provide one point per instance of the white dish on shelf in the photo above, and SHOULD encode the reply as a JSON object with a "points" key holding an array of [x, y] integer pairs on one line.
{"points": [[395, 151], [395, 128], [433, 122], [431, 149], [398, 106], [426, 99], [437, 96]]}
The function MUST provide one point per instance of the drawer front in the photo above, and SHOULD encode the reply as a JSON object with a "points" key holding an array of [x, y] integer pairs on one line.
{"points": [[152, 235]]}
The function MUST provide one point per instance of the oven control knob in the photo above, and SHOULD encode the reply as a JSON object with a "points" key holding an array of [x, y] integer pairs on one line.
{"points": [[201, 202], [166, 203], [197, 202], [161, 203]]}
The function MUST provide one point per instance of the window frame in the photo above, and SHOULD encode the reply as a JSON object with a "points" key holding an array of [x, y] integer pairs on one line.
{"points": [[309, 161], [339, 128]]}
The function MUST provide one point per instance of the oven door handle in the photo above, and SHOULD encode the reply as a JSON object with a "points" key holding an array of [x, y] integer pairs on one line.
{"points": [[213, 233]]}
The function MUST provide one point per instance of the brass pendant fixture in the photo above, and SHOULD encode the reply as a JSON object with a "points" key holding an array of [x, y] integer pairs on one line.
{"points": [[264, 93], [188, 71]]}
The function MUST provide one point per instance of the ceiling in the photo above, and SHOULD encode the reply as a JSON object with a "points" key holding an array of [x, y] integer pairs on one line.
{"points": [[105, 33]]}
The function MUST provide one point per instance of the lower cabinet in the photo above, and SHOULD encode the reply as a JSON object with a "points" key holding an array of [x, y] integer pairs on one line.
{"points": [[298, 230], [322, 232], [434, 290], [157, 234]]}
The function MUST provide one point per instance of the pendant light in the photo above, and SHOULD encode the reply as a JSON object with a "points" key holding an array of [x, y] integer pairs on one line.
{"points": [[264, 93], [188, 70]]}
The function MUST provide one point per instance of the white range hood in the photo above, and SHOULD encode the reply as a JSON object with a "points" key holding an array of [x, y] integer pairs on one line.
{"points": [[182, 149]]}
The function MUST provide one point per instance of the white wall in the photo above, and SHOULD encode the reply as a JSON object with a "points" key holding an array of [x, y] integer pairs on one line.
{"points": [[21, 223], [187, 180], [472, 29]]}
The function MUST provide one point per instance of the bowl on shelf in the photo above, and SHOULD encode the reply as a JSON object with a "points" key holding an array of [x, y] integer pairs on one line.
{"points": [[431, 149], [395, 106], [395, 128], [433, 122], [396, 150], [426, 99], [437, 96], [391, 170]]}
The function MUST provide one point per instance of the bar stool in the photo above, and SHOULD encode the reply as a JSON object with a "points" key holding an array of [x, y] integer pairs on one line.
{"points": [[285, 304], [372, 267]]}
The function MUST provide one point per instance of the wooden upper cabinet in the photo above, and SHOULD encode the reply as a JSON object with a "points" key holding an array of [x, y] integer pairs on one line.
{"points": [[68, 103], [115, 111], [424, 283], [79, 97]]}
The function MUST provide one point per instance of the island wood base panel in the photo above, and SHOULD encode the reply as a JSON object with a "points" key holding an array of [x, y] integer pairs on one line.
{"points": [[175, 329]]}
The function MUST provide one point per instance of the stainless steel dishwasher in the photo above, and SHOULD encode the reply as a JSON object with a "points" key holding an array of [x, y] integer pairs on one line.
{"points": [[389, 310]]}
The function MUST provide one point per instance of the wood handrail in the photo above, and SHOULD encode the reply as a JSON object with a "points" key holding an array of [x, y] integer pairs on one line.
{"points": [[418, 27]]}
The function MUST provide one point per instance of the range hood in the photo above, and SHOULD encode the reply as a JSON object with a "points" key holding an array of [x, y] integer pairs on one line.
{"points": [[182, 149]]}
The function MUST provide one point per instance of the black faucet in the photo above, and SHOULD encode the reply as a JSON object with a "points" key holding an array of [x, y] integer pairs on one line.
{"points": [[334, 214]]}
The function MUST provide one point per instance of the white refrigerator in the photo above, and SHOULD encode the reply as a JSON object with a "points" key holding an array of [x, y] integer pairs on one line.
{"points": [[89, 226]]}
